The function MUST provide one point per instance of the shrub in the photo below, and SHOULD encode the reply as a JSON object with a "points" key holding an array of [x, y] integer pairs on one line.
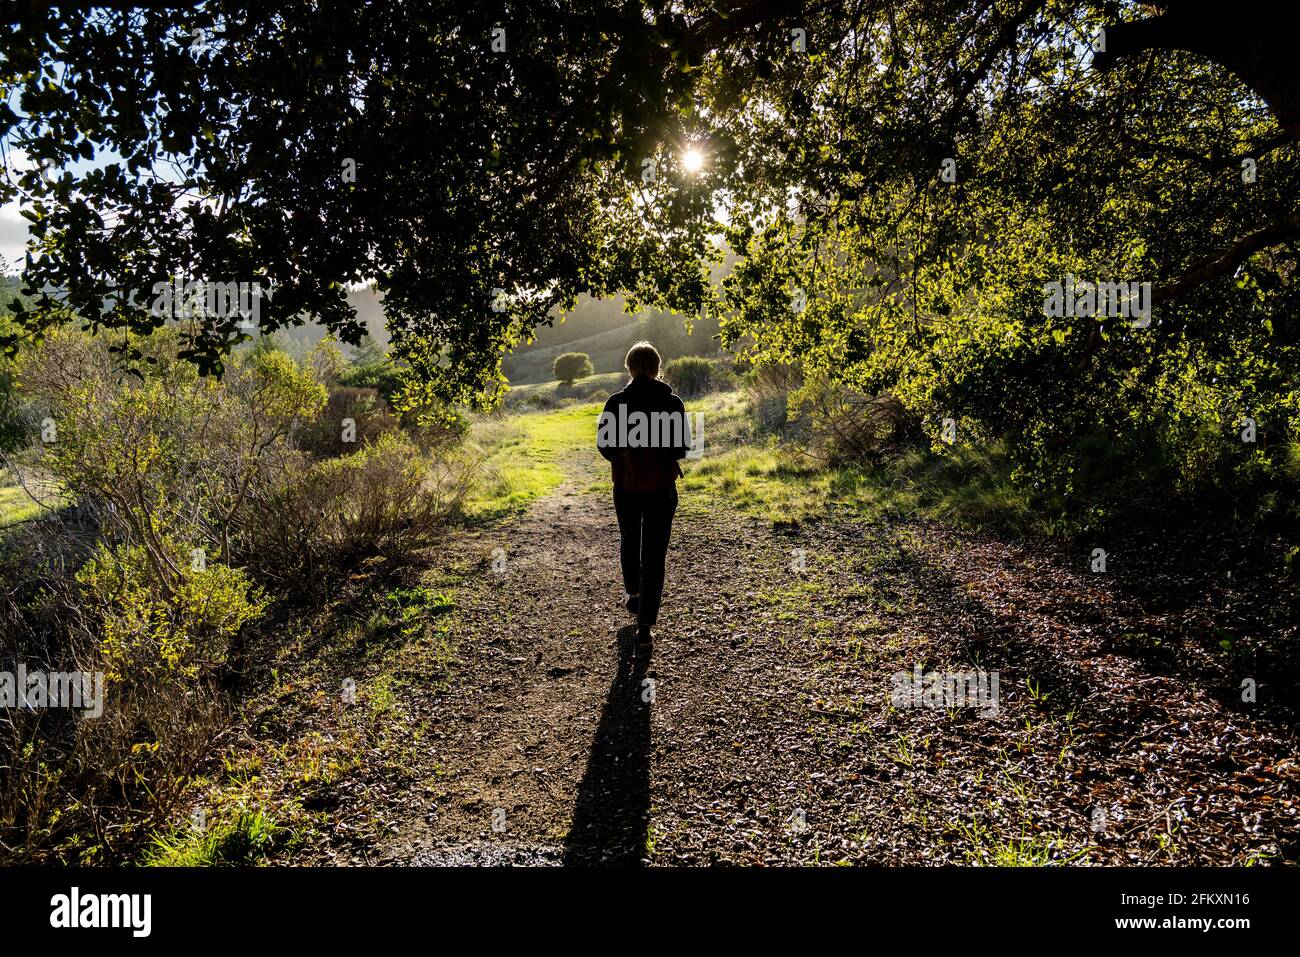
{"points": [[845, 427], [84, 789], [690, 376], [433, 425], [326, 363], [199, 449], [725, 374], [388, 500], [153, 622], [442, 431], [382, 375], [177, 480], [165, 469], [769, 386], [572, 365], [11, 426], [351, 418]]}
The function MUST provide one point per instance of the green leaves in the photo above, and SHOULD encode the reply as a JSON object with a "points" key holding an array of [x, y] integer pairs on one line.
{"points": [[520, 174], [473, 167]]}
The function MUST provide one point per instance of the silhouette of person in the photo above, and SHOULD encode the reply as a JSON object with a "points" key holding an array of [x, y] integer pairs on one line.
{"points": [[644, 433]]}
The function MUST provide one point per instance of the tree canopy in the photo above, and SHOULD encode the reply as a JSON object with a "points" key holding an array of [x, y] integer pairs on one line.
{"points": [[900, 180]]}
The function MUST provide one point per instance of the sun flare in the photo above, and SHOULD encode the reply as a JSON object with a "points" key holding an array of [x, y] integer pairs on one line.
{"points": [[692, 160]]}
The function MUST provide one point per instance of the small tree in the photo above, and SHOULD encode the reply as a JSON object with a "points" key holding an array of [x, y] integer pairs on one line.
{"points": [[326, 362], [571, 366], [370, 351]]}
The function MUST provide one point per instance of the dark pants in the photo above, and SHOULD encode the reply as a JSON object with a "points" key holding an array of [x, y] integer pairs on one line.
{"points": [[645, 520]]}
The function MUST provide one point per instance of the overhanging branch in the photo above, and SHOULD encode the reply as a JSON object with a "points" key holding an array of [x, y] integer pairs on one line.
{"points": [[1258, 48], [1225, 262]]}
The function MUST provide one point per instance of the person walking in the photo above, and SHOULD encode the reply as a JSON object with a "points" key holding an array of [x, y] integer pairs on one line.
{"points": [[644, 433]]}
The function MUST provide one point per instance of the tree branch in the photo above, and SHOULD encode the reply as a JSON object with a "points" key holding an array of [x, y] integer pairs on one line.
{"points": [[1255, 48], [1213, 267]]}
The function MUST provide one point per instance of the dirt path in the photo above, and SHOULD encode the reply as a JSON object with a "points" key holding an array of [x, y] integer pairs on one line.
{"points": [[571, 748], [761, 729]]}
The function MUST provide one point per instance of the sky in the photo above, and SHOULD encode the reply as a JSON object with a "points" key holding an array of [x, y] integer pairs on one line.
{"points": [[14, 161], [13, 228]]}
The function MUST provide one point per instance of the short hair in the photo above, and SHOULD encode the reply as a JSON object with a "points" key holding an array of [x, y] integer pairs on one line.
{"points": [[642, 359]]}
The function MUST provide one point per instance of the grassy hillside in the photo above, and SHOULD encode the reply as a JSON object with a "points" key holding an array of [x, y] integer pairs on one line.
{"points": [[551, 395], [589, 317], [606, 349]]}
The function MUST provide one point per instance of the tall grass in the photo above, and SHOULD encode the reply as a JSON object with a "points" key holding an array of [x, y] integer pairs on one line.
{"points": [[968, 487]]}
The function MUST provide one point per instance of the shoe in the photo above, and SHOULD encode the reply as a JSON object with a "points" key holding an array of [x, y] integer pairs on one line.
{"points": [[632, 603], [644, 637]]}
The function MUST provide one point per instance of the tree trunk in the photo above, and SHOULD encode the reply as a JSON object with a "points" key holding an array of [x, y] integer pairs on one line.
{"points": [[1256, 42]]}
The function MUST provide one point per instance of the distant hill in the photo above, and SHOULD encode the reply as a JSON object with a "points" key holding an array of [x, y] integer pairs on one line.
{"points": [[300, 340], [589, 317], [595, 325], [606, 349], [599, 327]]}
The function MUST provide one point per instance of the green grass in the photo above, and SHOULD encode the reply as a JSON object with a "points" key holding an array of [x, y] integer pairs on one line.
{"points": [[964, 487], [552, 395], [1027, 850], [15, 505], [242, 837], [795, 602], [405, 614], [419, 619], [521, 456]]}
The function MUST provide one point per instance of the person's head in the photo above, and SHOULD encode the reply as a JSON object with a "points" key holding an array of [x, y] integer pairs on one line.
{"points": [[642, 360]]}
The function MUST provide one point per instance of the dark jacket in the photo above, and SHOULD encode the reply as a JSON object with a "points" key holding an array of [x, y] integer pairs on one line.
{"points": [[644, 432]]}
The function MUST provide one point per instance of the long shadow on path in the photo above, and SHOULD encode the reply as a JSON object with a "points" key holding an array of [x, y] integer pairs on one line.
{"points": [[612, 811]]}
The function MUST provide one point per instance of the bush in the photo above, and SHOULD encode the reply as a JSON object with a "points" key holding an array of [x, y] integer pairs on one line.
{"points": [[152, 623], [326, 363], [199, 448], [89, 789], [845, 427], [178, 481], [769, 387], [442, 431], [166, 469], [382, 375], [726, 375], [351, 419], [691, 376], [388, 500], [572, 365], [12, 431]]}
